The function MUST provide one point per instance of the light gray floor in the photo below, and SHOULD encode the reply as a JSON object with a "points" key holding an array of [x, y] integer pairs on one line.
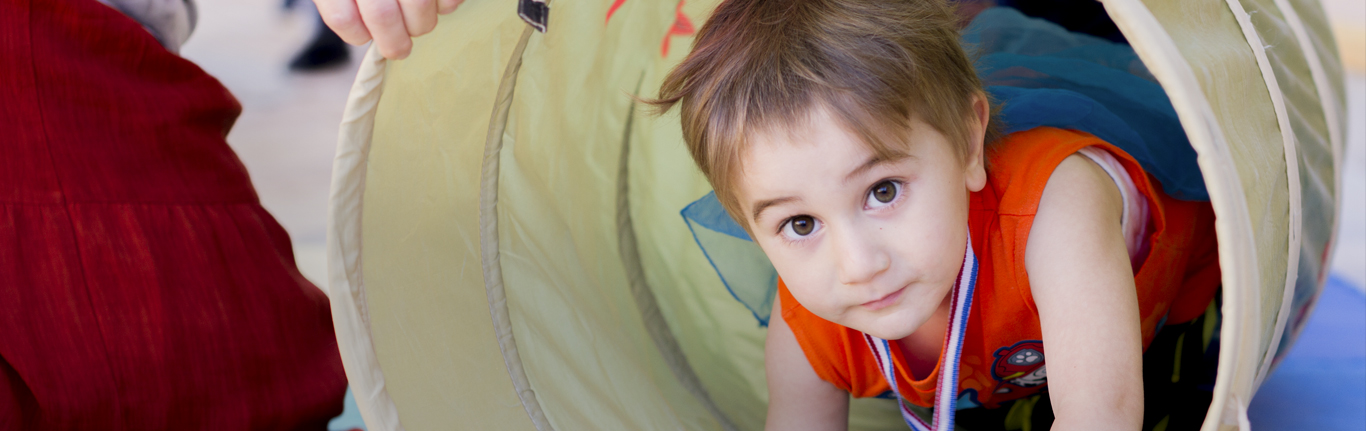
{"points": [[1349, 259], [288, 129]]}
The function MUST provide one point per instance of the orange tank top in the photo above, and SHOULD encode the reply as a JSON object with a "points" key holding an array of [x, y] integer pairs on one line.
{"points": [[1003, 354]]}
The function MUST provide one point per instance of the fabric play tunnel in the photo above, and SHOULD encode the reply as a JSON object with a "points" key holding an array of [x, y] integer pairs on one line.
{"points": [[506, 250]]}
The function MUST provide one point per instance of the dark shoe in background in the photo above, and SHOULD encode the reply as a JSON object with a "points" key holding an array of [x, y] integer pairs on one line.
{"points": [[325, 51]]}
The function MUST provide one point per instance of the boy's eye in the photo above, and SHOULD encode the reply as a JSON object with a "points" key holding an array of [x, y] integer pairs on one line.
{"points": [[883, 193], [800, 226]]}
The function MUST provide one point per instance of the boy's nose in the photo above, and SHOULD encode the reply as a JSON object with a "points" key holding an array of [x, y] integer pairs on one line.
{"points": [[860, 258]]}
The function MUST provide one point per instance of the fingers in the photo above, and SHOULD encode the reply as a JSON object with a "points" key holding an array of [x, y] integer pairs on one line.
{"points": [[446, 6], [384, 19], [344, 19], [419, 16], [390, 23]]}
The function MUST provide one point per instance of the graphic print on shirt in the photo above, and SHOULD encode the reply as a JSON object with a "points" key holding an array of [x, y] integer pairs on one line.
{"points": [[967, 399], [1019, 366]]}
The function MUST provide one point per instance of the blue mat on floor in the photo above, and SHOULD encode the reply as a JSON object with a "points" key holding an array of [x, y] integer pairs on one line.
{"points": [[1321, 384], [350, 417]]}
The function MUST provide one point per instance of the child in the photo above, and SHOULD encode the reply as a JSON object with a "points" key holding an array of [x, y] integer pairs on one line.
{"points": [[919, 253]]}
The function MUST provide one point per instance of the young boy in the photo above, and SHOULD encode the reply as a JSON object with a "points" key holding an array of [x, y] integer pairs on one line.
{"points": [[918, 253]]}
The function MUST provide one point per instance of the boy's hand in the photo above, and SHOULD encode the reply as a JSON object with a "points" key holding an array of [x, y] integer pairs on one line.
{"points": [[391, 23]]}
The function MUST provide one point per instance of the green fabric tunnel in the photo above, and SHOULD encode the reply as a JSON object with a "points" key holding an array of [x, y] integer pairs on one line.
{"points": [[505, 248]]}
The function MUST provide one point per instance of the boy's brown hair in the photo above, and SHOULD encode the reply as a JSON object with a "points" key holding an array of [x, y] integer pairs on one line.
{"points": [[763, 65]]}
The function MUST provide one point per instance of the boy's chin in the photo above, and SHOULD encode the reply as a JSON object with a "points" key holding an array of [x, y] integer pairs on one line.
{"points": [[886, 330], [889, 335]]}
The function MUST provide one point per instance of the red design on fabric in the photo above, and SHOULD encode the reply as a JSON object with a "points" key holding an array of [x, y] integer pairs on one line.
{"points": [[615, 4], [1323, 260], [682, 27]]}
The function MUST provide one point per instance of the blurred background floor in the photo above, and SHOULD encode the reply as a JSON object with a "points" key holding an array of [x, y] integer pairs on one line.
{"points": [[287, 135]]}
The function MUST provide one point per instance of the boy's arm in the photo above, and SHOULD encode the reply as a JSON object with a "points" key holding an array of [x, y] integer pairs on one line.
{"points": [[797, 398], [1083, 286]]}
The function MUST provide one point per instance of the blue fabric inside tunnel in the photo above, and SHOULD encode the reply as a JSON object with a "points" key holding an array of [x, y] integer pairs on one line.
{"points": [[743, 267], [1043, 75], [1040, 75]]}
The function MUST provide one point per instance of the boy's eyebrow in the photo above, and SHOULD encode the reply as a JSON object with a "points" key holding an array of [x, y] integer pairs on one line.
{"points": [[870, 164], [764, 204]]}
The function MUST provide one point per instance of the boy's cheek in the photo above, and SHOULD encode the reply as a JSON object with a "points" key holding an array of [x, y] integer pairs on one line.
{"points": [[809, 282], [816, 300]]}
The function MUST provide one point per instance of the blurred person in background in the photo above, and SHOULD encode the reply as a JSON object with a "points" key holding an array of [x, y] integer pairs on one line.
{"points": [[142, 285]]}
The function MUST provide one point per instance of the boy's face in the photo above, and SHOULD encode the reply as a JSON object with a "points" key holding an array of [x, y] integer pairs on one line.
{"points": [[873, 245]]}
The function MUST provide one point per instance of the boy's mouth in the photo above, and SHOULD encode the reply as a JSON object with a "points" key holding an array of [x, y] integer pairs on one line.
{"points": [[885, 301]]}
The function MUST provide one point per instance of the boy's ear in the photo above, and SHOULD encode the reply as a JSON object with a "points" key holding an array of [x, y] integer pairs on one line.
{"points": [[976, 171]]}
